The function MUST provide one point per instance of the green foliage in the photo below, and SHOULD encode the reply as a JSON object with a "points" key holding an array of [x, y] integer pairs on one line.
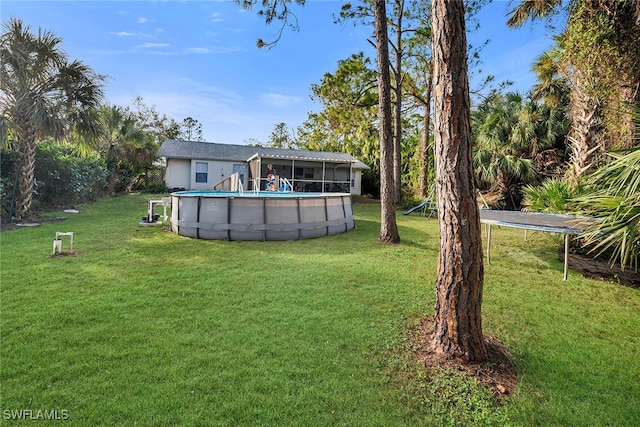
{"points": [[281, 137], [42, 94], [459, 400], [613, 196], [7, 178], [191, 130], [156, 188], [553, 196], [510, 131], [347, 122], [603, 49], [160, 125], [64, 178], [128, 147], [371, 182]]}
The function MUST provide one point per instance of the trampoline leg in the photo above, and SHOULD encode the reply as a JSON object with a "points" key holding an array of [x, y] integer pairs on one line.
{"points": [[566, 256], [489, 243]]}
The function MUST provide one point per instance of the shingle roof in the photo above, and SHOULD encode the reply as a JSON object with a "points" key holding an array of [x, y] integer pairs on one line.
{"points": [[179, 149]]}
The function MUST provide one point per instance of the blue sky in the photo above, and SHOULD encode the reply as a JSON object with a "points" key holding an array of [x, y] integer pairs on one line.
{"points": [[199, 58]]}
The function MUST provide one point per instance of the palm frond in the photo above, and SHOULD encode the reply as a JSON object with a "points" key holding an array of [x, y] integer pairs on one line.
{"points": [[614, 198], [530, 10]]}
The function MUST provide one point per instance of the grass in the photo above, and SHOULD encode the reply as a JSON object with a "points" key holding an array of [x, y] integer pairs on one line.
{"points": [[146, 327]]}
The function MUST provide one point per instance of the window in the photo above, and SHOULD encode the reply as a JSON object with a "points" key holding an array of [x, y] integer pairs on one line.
{"points": [[202, 171]]}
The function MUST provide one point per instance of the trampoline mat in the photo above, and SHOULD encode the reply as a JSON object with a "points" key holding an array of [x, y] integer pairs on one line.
{"points": [[537, 221]]}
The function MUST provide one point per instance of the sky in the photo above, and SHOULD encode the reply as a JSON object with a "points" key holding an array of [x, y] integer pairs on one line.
{"points": [[199, 58]]}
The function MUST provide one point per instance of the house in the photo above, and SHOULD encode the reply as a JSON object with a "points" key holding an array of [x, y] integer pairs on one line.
{"points": [[193, 165]]}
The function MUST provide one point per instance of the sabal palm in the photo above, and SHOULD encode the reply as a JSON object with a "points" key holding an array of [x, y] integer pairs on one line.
{"points": [[599, 52], [41, 94], [509, 131], [553, 84], [123, 141], [613, 197]]}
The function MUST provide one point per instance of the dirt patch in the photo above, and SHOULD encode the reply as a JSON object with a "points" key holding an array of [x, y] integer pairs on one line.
{"points": [[601, 269], [32, 221], [63, 254], [498, 373]]}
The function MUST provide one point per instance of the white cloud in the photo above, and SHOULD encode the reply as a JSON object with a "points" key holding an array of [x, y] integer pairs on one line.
{"points": [[279, 100], [198, 50], [217, 17], [143, 20], [121, 34], [153, 45]]}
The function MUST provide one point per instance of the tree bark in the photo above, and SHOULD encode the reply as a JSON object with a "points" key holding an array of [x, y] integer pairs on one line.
{"points": [[585, 133], [426, 124], [388, 226], [26, 169], [397, 135], [458, 320]]}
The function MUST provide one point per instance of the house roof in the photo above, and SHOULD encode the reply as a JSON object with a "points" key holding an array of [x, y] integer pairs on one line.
{"points": [[179, 149]]}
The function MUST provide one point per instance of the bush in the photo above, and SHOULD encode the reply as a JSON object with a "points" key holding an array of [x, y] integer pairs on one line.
{"points": [[156, 188], [552, 196], [64, 178], [7, 179], [614, 198]]}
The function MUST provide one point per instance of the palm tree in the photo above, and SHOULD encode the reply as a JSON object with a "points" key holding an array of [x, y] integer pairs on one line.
{"points": [[613, 196], [124, 144], [553, 85], [42, 94], [511, 131], [600, 52]]}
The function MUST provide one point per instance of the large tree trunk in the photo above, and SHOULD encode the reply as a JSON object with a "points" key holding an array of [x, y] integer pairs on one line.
{"points": [[397, 135], [585, 133], [424, 146], [26, 168], [458, 320], [388, 226]]}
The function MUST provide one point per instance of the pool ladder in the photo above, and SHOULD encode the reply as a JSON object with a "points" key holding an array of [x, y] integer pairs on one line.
{"points": [[284, 183]]}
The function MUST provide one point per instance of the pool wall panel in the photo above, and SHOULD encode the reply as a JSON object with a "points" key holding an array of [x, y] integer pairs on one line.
{"points": [[282, 216]]}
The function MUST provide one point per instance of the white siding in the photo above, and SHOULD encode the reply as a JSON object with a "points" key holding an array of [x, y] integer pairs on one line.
{"points": [[178, 173], [217, 171]]}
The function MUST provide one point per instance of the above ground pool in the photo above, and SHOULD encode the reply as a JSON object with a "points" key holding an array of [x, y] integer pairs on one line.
{"points": [[230, 215]]}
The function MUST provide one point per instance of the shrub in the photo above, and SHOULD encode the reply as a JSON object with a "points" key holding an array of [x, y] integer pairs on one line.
{"points": [[156, 188], [7, 179], [614, 198], [552, 196], [63, 177]]}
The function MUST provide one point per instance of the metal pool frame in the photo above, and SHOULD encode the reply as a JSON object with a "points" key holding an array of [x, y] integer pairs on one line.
{"points": [[260, 216]]}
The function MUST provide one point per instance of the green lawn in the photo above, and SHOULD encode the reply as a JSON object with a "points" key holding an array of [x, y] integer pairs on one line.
{"points": [[146, 327]]}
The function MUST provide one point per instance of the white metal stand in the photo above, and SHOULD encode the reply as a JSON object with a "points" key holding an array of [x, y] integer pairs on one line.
{"points": [[57, 243]]}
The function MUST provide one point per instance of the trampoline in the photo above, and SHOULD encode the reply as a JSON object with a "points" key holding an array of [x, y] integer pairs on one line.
{"points": [[536, 221]]}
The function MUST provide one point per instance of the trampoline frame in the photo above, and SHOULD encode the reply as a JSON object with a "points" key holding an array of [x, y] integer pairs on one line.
{"points": [[537, 221]]}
